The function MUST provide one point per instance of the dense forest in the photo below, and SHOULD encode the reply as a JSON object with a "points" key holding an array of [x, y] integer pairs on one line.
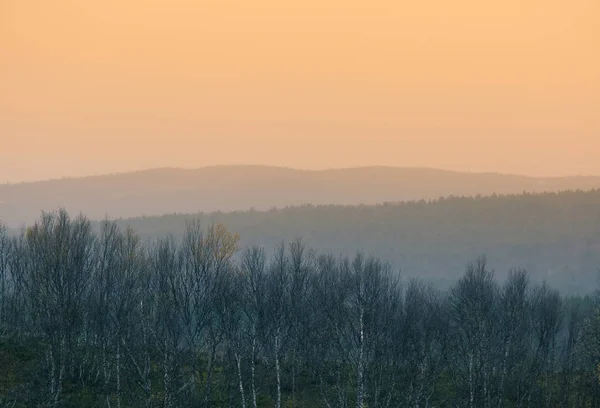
{"points": [[555, 236], [99, 317]]}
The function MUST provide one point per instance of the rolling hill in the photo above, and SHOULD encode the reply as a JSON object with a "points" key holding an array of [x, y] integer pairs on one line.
{"points": [[235, 188], [555, 236]]}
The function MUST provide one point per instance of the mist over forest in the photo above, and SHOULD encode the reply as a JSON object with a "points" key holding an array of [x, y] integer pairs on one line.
{"points": [[555, 236], [431, 299], [481, 301], [239, 188], [93, 315]]}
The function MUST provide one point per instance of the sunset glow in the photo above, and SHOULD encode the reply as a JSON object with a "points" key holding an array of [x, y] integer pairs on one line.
{"points": [[91, 87]]}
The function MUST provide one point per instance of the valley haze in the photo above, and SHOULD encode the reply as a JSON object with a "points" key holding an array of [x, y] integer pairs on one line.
{"points": [[243, 187]]}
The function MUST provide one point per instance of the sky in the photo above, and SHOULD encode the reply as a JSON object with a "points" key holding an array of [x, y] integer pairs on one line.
{"points": [[104, 86]]}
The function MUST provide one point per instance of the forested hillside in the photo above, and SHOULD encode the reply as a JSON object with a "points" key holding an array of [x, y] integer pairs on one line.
{"points": [[99, 318], [556, 237], [238, 188]]}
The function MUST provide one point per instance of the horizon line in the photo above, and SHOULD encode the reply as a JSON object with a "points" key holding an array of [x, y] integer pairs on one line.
{"points": [[291, 168]]}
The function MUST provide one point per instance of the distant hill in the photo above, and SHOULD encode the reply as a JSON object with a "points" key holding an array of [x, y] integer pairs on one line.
{"points": [[232, 188], [555, 236]]}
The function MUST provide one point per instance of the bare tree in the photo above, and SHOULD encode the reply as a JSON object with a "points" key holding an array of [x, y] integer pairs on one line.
{"points": [[206, 261], [19, 313], [4, 278], [361, 314], [473, 309], [420, 343], [58, 277], [330, 341], [548, 317], [253, 270], [278, 286], [184, 322], [515, 317]]}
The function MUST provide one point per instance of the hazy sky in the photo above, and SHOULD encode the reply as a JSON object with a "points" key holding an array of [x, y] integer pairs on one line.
{"points": [[100, 86]]}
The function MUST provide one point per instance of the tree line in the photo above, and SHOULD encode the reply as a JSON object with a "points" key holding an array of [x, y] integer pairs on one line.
{"points": [[555, 236], [102, 318]]}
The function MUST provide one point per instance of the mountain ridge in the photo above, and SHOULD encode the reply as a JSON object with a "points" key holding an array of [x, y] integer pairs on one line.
{"points": [[293, 169], [240, 187]]}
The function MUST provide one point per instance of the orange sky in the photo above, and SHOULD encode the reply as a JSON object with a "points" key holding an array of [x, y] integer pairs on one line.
{"points": [[101, 86]]}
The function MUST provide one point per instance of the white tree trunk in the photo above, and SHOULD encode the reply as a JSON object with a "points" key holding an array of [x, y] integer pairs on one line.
{"points": [[360, 384], [166, 377], [471, 382], [252, 368], [277, 371], [118, 368], [52, 372], [239, 369], [504, 372]]}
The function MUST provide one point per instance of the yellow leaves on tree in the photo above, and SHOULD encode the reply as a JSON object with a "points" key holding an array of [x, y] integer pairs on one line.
{"points": [[222, 243]]}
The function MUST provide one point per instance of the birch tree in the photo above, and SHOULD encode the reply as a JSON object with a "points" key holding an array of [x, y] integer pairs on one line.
{"points": [[420, 343], [4, 279], [206, 267], [473, 310], [548, 317], [254, 291], [59, 274], [515, 323], [278, 286]]}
